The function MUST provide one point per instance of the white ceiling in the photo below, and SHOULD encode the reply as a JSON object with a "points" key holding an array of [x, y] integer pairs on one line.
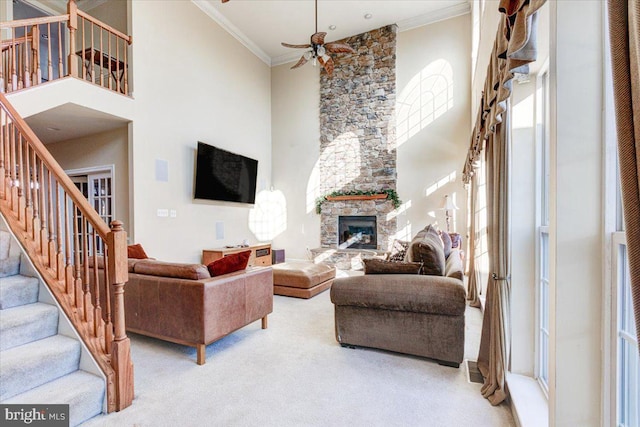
{"points": [[70, 121], [262, 24]]}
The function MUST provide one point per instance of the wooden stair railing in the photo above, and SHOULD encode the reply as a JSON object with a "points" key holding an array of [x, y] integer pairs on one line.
{"points": [[82, 261], [35, 52]]}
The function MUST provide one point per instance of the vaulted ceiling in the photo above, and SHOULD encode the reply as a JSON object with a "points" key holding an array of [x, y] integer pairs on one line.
{"points": [[262, 25]]}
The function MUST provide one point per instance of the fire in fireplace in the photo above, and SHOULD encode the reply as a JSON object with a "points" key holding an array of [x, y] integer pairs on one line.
{"points": [[357, 232]]}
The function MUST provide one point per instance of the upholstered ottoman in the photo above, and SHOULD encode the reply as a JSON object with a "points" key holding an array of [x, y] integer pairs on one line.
{"points": [[302, 279]]}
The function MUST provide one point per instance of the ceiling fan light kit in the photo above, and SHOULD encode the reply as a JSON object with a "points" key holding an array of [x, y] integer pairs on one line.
{"points": [[319, 50]]}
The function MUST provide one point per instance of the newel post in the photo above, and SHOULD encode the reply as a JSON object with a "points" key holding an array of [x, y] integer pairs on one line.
{"points": [[120, 347], [72, 10]]}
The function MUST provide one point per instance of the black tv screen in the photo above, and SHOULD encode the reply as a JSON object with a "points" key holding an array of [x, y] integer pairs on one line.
{"points": [[222, 175]]}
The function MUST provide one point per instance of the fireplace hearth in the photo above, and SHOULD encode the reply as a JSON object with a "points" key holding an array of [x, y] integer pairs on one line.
{"points": [[357, 232]]}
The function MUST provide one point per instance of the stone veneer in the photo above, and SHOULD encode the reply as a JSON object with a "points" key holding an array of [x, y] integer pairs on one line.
{"points": [[357, 132]]}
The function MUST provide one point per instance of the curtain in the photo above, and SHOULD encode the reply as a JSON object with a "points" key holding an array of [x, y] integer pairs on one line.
{"points": [[624, 25], [514, 48], [474, 275], [493, 357]]}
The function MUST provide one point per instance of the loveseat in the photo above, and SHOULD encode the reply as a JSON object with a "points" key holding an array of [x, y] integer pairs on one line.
{"points": [[183, 304], [417, 314]]}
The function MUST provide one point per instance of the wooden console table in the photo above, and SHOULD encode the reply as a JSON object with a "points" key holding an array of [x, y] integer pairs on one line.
{"points": [[260, 254]]}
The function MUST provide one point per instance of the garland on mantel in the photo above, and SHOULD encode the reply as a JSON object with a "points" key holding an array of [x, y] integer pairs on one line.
{"points": [[391, 195]]}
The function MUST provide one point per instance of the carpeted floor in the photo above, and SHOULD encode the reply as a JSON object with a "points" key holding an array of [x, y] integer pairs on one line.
{"points": [[296, 374]]}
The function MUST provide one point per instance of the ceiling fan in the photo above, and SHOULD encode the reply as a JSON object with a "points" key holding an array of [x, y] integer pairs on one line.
{"points": [[318, 50]]}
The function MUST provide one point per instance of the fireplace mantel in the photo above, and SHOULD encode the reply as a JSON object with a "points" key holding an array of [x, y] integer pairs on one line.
{"points": [[357, 197]]}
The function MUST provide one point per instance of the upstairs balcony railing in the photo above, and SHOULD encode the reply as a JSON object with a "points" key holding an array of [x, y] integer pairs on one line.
{"points": [[40, 50]]}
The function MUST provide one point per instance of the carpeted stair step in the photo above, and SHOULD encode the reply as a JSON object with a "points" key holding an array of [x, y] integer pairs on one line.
{"points": [[18, 290], [31, 365], [84, 392], [27, 323]]}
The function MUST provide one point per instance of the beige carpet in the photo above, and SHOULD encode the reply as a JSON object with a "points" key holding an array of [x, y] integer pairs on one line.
{"points": [[296, 374]]}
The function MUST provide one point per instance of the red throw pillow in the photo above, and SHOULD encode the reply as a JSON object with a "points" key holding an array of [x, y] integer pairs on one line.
{"points": [[136, 251], [229, 263]]}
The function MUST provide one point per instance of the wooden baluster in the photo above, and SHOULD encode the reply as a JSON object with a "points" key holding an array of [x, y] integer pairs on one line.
{"points": [[49, 54], [50, 227], [42, 187], [120, 347], [126, 68], [26, 77], [3, 61], [93, 56], [97, 311], [117, 64], [108, 327], [85, 270], [14, 76], [72, 11], [19, 48], [37, 72], [77, 284], [60, 68], [84, 56], [69, 279], [101, 59], [35, 196], [27, 181], [21, 180], [55, 246], [14, 169], [109, 56]]}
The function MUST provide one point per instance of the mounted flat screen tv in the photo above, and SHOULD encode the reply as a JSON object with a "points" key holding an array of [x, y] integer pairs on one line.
{"points": [[222, 175]]}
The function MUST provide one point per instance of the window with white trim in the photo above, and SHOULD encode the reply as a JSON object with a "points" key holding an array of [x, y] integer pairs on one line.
{"points": [[542, 259]]}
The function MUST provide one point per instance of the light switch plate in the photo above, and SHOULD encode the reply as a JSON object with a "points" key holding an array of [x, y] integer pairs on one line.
{"points": [[163, 213]]}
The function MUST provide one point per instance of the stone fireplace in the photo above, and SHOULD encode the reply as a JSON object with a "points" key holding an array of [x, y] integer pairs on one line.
{"points": [[357, 232], [357, 142]]}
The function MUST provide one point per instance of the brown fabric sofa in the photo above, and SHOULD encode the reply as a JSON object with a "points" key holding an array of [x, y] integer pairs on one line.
{"points": [[416, 314], [181, 303]]}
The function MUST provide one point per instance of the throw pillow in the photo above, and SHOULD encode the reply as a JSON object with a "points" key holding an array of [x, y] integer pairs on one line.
{"points": [[136, 251], [398, 250], [380, 266], [456, 240], [229, 263], [446, 240], [428, 249]]}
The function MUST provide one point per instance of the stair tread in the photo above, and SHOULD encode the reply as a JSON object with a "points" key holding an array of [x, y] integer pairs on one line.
{"points": [[30, 365], [18, 290], [26, 323], [82, 391]]}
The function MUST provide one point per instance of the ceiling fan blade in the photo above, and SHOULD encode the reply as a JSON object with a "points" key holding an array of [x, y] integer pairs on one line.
{"points": [[328, 65], [295, 46], [318, 38], [224, 1], [339, 48], [300, 62]]}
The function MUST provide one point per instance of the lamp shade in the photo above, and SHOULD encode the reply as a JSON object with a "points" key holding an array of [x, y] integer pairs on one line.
{"points": [[448, 204]]}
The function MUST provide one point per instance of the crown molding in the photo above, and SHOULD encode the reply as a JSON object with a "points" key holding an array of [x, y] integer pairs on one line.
{"points": [[433, 17], [211, 11], [288, 57]]}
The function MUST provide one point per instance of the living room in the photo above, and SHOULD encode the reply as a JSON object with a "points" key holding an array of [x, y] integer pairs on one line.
{"points": [[191, 80]]}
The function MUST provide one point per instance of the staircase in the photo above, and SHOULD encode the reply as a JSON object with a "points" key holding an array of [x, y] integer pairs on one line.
{"points": [[81, 262], [37, 364]]}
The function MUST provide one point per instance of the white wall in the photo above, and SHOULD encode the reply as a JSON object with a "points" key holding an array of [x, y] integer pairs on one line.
{"points": [[431, 155], [435, 152], [193, 82], [295, 114], [103, 149]]}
